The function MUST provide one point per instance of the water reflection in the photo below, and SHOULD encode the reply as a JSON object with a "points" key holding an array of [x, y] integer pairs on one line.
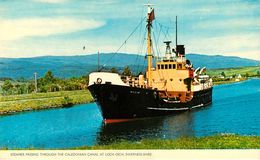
{"points": [[158, 127], [179, 125]]}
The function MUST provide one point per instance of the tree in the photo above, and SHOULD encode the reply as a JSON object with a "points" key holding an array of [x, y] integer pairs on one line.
{"points": [[22, 89], [5, 78], [53, 88], [127, 71], [223, 74], [114, 70], [7, 87], [258, 73], [45, 83], [31, 87], [49, 78], [85, 78], [21, 79]]}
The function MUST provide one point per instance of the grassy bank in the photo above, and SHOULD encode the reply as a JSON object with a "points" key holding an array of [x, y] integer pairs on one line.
{"points": [[210, 142], [228, 81], [231, 74], [249, 71], [37, 101]]}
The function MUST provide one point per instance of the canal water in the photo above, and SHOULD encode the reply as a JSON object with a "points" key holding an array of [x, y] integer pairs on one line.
{"points": [[235, 110]]}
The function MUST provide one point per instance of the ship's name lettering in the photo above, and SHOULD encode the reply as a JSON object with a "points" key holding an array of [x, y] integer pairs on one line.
{"points": [[135, 92]]}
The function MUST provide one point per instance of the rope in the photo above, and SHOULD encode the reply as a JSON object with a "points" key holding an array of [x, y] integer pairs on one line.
{"points": [[140, 45], [157, 38], [123, 43], [140, 51]]}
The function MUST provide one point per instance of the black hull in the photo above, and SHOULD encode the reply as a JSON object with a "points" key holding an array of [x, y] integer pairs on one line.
{"points": [[123, 102]]}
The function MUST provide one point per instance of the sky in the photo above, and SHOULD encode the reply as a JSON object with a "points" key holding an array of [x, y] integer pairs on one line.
{"points": [[31, 28]]}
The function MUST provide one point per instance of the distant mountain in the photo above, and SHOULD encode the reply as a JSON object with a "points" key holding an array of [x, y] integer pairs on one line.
{"points": [[218, 61], [69, 66]]}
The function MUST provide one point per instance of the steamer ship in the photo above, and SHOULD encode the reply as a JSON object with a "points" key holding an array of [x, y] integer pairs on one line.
{"points": [[170, 86]]}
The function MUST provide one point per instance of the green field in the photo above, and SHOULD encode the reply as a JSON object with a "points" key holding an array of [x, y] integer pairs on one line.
{"points": [[251, 71], [231, 74], [36, 101]]}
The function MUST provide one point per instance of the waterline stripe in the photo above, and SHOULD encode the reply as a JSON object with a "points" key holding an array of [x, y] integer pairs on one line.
{"points": [[168, 109]]}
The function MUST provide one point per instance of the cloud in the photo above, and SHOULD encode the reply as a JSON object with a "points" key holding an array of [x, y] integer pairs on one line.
{"points": [[2, 10], [248, 23], [211, 27], [242, 45], [50, 1], [29, 27], [230, 8]]}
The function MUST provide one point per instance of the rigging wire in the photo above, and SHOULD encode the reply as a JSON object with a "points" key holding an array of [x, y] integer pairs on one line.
{"points": [[158, 37], [165, 30], [170, 27], [123, 43], [162, 29], [156, 44], [166, 33], [139, 50]]}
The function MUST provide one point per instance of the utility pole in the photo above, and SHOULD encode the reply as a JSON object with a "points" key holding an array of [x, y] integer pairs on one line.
{"points": [[35, 82]]}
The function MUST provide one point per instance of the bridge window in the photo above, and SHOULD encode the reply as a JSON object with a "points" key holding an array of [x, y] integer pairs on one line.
{"points": [[166, 66], [162, 66], [170, 66], [174, 66], [158, 66]]}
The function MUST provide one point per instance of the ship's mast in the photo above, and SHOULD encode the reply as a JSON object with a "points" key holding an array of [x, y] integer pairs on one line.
{"points": [[150, 18]]}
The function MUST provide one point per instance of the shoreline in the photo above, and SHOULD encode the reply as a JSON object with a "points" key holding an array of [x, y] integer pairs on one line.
{"points": [[229, 82], [233, 81], [13, 104]]}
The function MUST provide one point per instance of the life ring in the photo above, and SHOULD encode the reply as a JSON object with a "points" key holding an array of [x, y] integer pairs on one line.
{"points": [[99, 80]]}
